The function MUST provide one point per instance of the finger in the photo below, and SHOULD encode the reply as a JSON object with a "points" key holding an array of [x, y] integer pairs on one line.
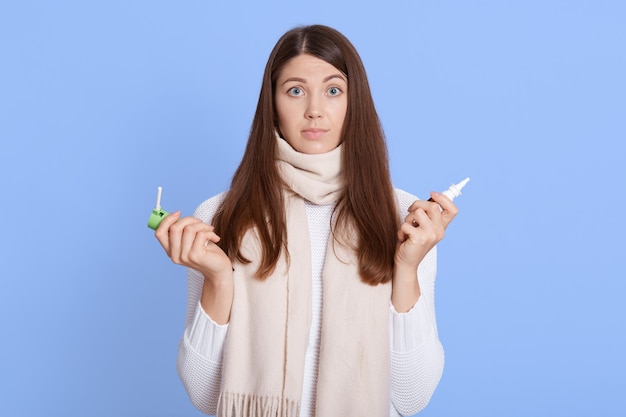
{"points": [[431, 209], [402, 235], [203, 242], [425, 205], [198, 237], [419, 236], [428, 229], [413, 219], [176, 232], [414, 205], [188, 238], [417, 218], [422, 219], [431, 224], [411, 222], [212, 237], [449, 209], [162, 232]]}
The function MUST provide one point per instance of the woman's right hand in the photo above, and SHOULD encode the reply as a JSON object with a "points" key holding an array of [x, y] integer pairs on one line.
{"points": [[192, 243]]}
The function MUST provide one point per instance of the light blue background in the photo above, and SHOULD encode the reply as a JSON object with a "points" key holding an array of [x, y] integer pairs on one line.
{"points": [[103, 101]]}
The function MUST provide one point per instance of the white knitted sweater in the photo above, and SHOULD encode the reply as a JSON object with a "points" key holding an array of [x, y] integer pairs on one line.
{"points": [[416, 353]]}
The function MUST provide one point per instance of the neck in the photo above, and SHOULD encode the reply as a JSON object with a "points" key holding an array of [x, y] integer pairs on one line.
{"points": [[315, 177]]}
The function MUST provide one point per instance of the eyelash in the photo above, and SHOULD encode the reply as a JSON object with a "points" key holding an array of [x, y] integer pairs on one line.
{"points": [[291, 91]]}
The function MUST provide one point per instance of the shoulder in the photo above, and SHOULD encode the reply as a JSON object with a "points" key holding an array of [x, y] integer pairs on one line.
{"points": [[207, 209], [404, 200]]}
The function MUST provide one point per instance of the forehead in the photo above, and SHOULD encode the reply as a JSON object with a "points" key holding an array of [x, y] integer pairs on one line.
{"points": [[308, 67]]}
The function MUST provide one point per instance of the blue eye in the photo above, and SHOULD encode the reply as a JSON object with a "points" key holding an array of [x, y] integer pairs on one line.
{"points": [[334, 91], [295, 91]]}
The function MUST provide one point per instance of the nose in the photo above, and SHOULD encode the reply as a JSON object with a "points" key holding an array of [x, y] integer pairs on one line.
{"points": [[314, 109]]}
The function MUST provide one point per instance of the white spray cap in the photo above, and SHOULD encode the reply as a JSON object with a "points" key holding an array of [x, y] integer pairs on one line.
{"points": [[157, 206], [455, 189]]}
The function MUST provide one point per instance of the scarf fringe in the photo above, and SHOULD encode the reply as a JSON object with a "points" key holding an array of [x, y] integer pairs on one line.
{"points": [[250, 405]]}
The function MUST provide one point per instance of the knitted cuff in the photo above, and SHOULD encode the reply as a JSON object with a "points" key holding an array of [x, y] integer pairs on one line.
{"points": [[411, 329], [205, 336]]}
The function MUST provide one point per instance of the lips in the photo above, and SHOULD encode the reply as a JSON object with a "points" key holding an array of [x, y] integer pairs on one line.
{"points": [[313, 133]]}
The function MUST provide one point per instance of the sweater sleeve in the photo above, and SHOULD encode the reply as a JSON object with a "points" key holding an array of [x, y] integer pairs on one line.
{"points": [[199, 362], [417, 356]]}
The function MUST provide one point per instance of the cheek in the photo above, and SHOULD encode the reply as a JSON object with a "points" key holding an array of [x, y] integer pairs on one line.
{"points": [[340, 111], [282, 113], [283, 121], [340, 116]]}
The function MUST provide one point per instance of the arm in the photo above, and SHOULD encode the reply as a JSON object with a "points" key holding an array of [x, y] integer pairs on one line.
{"points": [[192, 243], [199, 361], [416, 353], [417, 356]]}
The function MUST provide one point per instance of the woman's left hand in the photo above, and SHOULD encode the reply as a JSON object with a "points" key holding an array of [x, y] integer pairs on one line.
{"points": [[423, 228]]}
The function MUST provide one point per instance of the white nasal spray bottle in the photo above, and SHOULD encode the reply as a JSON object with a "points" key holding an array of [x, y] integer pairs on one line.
{"points": [[454, 190]]}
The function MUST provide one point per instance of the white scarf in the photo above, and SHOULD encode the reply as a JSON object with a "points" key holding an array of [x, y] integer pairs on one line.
{"points": [[269, 326]]}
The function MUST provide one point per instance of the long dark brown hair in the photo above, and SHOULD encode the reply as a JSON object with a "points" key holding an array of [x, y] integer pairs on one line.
{"points": [[367, 204]]}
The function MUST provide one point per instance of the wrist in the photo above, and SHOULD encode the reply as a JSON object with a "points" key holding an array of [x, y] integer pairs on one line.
{"points": [[217, 297], [219, 281], [404, 272], [405, 289]]}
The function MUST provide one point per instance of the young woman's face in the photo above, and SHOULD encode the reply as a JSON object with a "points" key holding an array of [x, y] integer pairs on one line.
{"points": [[311, 100]]}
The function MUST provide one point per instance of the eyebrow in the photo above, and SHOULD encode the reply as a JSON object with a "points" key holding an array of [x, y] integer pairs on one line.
{"points": [[302, 80]]}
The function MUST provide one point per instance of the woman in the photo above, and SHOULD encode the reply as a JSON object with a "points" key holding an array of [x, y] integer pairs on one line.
{"points": [[311, 281]]}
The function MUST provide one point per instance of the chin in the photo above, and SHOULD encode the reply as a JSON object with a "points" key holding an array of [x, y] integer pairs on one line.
{"points": [[313, 150]]}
